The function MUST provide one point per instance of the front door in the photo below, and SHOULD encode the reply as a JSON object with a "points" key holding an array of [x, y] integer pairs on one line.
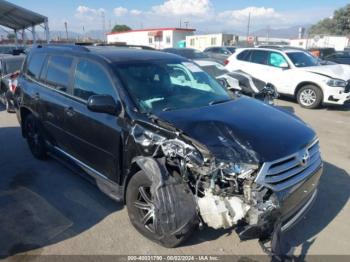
{"points": [[94, 138]]}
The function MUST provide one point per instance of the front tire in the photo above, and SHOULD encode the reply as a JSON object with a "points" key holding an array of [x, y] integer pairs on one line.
{"points": [[310, 96], [141, 210], [35, 137], [7, 106]]}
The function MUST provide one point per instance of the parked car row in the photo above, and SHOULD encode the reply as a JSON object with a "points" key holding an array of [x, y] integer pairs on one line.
{"points": [[295, 73], [157, 132], [291, 71], [9, 71]]}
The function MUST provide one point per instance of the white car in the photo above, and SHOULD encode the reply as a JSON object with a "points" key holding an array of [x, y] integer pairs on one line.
{"points": [[296, 73]]}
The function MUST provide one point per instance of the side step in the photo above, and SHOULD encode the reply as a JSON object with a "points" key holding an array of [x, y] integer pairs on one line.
{"points": [[107, 186]]}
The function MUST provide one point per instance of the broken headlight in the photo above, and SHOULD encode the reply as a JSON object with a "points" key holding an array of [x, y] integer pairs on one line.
{"points": [[240, 170], [146, 137]]}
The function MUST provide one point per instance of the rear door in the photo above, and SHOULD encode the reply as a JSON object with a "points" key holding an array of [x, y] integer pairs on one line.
{"points": [[93, 138], [54, 97]]}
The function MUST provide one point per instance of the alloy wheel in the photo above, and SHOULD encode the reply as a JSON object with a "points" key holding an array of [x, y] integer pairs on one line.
{"points": [[308, 97], [145, 206]]}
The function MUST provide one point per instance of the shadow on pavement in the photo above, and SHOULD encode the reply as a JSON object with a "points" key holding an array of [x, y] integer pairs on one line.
{"points": [[42, 203], [333, 194], [344, 108]]}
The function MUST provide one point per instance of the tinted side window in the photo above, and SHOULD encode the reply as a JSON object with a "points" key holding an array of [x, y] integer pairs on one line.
{"points": [[91, 79], [259, 57], [276, 60], [244, 56], [58, 71], [35, 65]]}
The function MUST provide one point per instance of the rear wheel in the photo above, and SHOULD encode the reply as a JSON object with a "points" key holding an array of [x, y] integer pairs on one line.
{"points": [[310, 96], [141, 210], [35, 137]]}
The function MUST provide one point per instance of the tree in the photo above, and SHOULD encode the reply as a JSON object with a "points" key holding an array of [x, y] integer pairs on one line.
{"points": [[339, 24], [120, 28]]}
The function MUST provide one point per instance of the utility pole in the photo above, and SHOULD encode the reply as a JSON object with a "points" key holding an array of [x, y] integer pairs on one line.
{"points": [[66, 27], [180, 23], [186, 24], [268, 34], [248, 27]]}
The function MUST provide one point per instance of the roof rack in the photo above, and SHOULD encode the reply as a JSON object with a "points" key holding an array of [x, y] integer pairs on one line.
{"points": [[66, 46], [115, 45]]}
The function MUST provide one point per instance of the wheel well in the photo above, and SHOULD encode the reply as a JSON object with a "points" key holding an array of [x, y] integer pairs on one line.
{"points": [[133, 170], [24, 113], [301, 85]]}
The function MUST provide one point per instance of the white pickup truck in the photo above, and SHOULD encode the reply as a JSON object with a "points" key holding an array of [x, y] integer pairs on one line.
{"points": [[296, 73]]}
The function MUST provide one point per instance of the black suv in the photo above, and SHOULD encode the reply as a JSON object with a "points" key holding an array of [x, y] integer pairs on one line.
{"points": [[155, 131]]}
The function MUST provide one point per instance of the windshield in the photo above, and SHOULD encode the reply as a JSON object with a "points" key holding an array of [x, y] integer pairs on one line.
{"points": [[192, 54], [164, 86], [215, 70], [231, 49], [303, 59], [14, 65]]}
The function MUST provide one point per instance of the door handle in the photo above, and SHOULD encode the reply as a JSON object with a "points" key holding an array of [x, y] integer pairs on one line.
{"points": [[69, 111], [36, 96]]}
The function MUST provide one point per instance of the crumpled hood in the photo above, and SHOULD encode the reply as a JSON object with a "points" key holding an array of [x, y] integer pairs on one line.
{"points": [[242, 130], [333, 71]]}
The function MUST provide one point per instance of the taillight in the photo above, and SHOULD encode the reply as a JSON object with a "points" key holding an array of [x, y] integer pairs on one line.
{"points": [[226, 62], [13, 88]]}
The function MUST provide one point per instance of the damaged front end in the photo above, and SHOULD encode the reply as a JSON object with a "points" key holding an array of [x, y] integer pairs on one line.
{"points": [[224, 193]]}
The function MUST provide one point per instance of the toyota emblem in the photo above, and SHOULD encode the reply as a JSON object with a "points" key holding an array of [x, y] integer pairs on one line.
{"points": [[305, 158]]}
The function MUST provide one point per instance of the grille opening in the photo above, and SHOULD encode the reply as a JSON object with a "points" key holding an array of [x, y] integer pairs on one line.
{"points": [[286, 172]]}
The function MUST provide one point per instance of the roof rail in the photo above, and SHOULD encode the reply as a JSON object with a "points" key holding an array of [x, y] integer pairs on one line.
{"points": [[117, 45], [66, 46]]}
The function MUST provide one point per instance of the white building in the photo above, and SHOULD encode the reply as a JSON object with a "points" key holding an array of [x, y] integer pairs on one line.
{"points": [[158, 38], [201, 42], [337, 42]]}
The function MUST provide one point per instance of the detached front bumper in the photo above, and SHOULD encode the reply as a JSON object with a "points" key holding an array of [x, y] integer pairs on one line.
{"points": [[294, 203], [336, 95]]}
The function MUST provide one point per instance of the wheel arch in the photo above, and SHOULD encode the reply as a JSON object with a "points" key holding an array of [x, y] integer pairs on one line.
{"points": [[305, 83], [134, 168], [24, 113]]}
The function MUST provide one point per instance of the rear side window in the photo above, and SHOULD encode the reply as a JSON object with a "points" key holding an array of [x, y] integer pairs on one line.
{"points": [[276, 59], [259, 57], [244, 56], [13, 65], [35, 65], [91, 79], [58, 71]]}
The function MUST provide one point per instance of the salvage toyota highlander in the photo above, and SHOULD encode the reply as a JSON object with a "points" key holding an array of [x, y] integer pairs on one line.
{"points": [[179, 153]]}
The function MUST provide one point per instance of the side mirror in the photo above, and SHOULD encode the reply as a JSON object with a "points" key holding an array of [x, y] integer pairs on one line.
{"points": [[104, 104], [284, 65], [223, 82]]}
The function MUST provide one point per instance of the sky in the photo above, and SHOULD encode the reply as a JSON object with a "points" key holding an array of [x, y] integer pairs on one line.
{"points": [[204, 15]]}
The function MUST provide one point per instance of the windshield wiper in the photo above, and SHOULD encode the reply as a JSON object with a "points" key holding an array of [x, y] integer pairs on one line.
{"points": [[168, 109], [215, 102]]}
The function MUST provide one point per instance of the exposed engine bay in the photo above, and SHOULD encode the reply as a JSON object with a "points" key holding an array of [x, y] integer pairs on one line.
{"points": [[225, 194]]}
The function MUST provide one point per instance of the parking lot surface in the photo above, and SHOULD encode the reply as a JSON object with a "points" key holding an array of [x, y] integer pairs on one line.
{"points": [[48, 210]]}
